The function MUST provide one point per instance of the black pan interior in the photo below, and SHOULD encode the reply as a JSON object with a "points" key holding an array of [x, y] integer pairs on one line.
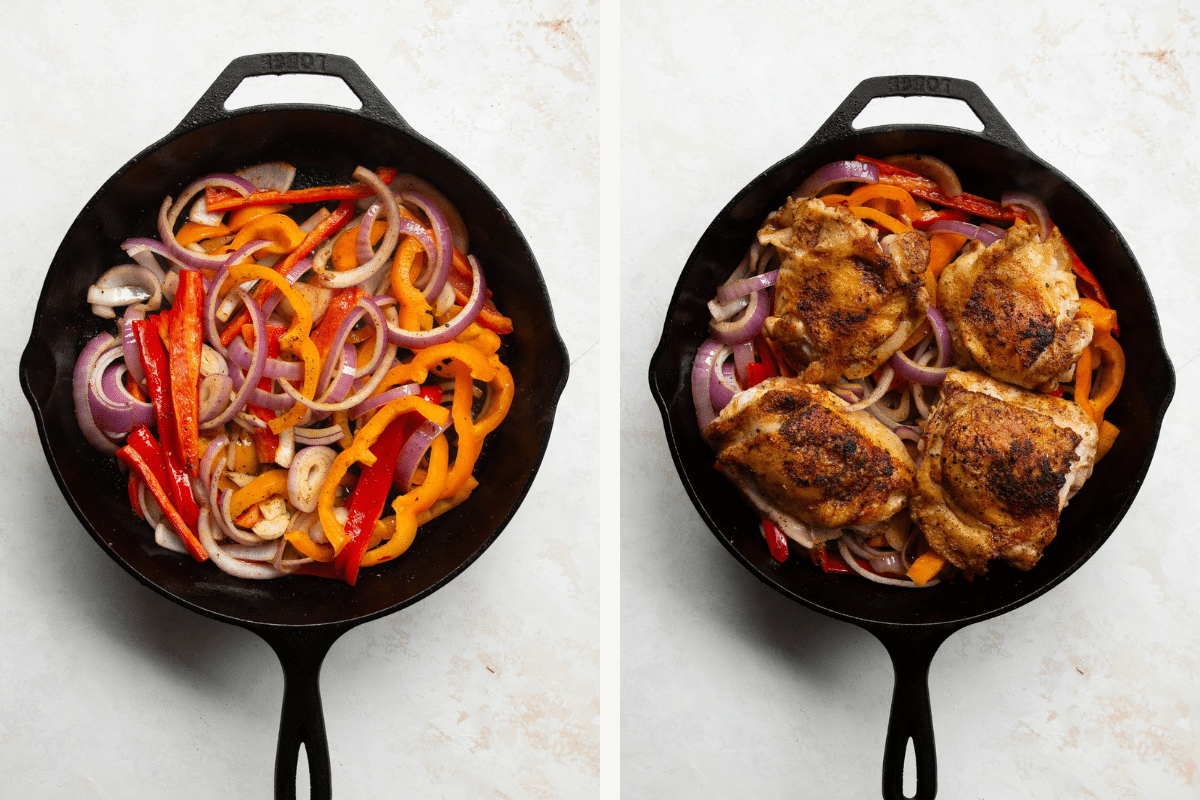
{"points": [[986, 168], [326, 145]]}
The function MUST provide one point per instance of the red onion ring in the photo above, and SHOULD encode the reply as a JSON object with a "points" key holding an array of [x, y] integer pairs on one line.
{"points": [[917, 373], [127, 285], [414, 450], [214, 394], [309, 468], [340, 280], [837, 172], [79, 391], [729, 292], [743, 354], [702, 367], [318, 437], [417, 340], [250, 570], [382, 399], [169, 213], [1034, 205], [431, 286], [406, 183], [208, 461], [722, 385], [143, 251], [968, 229], [113, 407], [256, 367], [270, 176], [941, 332], [746, 325]]}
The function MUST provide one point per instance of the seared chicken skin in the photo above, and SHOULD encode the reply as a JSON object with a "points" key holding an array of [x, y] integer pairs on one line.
{"points": [[843, 306], [999, 465], [797, 456], [1011, 309]]}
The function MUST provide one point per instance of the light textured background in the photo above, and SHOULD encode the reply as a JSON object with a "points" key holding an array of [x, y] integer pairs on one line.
{"points": [[729, 689], [489, 688]]}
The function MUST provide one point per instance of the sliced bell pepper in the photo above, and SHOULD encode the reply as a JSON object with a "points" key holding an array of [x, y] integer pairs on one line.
{"points": [[134, 495], [341, 304], [827, 561], [943, 247], [904, 202], [187, 340], [460, 279], [133, 459], [757, 372], [279, 229], [776, 541], [1091, 287], [928, 189], [266, 441], [414, 313], [326, 228], [272, 483], [925, 567], [158, 385], [226, 199], [409, 507], [884, 220]]}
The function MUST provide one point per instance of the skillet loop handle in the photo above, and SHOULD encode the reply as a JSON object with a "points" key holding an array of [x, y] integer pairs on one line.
{"points": [[211, 105], [302, 721], [911, 718], [995, 127]]}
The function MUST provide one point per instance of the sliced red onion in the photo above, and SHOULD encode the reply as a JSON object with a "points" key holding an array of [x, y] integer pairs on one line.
{"points": [[438, 269], [271, 176], [745, 326], [729, 292], [722, 385], [250, 570], [307, 473], [223, 518], [362, 239], [214, 394], [168, 539], [319, 437], [414, 450], [890, 564], [256, 367], [917, 373], [1034, 205], [214, 452], [125, 285], [79, 390], [871, 576], [169, 213], [354, 399], [941, 332], [113, 407], [968, 229], [143, 251], [405, 183], [838, 172], [383, 398], [885, 382], [239, 353], [743, 354], [417, 340], [702, 368], [339, 280], [129, 343], [933, 168], [908, 433]]}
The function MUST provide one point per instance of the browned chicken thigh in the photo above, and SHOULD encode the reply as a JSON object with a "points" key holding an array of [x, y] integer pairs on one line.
{"points": [[843, 306], [999, 465], [1011, 309], [800, 458]]}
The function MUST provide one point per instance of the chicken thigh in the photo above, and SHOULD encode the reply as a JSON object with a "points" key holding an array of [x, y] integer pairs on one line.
{"points": [[999, 465], [1011, 309], [843, 306], [801, 459]]}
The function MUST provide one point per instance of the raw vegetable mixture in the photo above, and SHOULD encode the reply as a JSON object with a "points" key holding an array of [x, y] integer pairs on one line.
{"points": [[306, 355]]}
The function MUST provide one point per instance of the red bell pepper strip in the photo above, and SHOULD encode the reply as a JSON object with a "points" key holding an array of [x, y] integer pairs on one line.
{"points": [[340, 306], [1091, 286], [326, 228], [923, 222], [158, 384], [371, 491], [757, 372], [187, 339], [776, 541], [133, 459], [226, 199], [135, 496], [928, 189], [827, 561]]}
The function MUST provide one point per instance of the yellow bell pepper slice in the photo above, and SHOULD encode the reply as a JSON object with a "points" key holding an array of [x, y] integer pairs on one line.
{"points": [[281, 230], [270, 484]]}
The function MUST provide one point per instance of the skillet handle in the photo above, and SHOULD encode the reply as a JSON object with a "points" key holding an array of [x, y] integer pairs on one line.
{"points": [[911, 719], [995, 127], [302, 722], [211, 105]]}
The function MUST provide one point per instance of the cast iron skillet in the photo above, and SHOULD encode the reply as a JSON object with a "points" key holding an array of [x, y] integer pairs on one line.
{"points": [[912, 624], [299, 617]]}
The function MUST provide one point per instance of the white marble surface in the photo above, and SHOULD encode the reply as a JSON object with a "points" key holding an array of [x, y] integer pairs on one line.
{"points": [[729, 689], [489, 688]]}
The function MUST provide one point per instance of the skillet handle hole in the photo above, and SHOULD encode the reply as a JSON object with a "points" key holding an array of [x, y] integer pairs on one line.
{"points": [[304, 785], [910, 769], [918, 111], [260, 90]]}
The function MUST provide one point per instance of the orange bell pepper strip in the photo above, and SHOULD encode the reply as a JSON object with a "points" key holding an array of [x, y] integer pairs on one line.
{"points": [[226, 199], [1083, 383], [193, 232], [943, 247], [410, 506], [1091, 286], [1105, 391], [415, 313], [317, 551], [187, 340], [281, 230], [326, 228], [875, 215], [925, 567], [882, 191], [272, 483], [1108, 436], [345, 256], [133, 459], [240, 218], [360, 451]]}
